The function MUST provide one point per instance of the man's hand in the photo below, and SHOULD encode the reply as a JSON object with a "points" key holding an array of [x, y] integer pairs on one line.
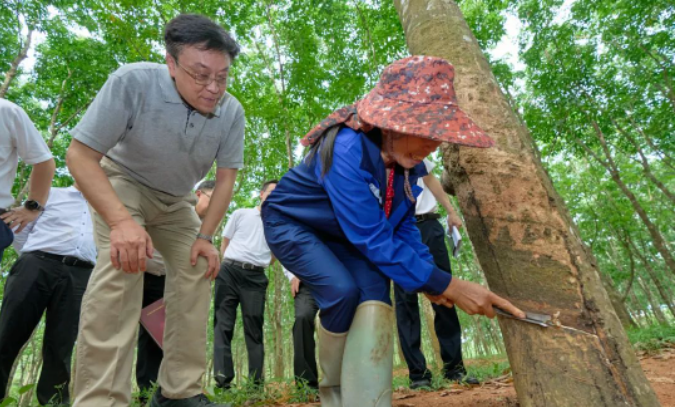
{"points": [[454, 220], [295, 286], [130, 244], [205, 249], [20, 217], [439, 300], [476, 299]]}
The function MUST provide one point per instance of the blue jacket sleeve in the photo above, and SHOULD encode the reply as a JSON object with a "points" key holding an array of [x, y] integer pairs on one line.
{"points": [[366, 227], [407, 232]]}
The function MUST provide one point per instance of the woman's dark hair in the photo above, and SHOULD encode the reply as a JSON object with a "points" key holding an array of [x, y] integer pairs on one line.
{"points": [[268, 183], [324, 148], [206, 185], [194, 29]]}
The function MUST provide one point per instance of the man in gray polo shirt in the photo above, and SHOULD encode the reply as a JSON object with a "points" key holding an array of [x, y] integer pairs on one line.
{"points": [[150, 135]]}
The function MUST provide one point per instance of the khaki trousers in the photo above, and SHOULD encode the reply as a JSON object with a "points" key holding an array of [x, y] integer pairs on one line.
{"points": [[112, 304]]}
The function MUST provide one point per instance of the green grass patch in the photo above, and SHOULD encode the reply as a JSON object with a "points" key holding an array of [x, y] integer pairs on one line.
{"points": [[488, 368], [652, 338]]}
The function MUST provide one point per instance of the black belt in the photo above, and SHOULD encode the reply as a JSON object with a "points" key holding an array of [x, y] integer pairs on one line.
{"points": [[427, 216], [67, 260], [242, 265]]}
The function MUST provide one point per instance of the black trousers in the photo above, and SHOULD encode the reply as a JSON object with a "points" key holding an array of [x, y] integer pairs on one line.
{"points": [[6, 237], [148, 354], [235, 286], [304, 361], [35, 284], [446, 323]]}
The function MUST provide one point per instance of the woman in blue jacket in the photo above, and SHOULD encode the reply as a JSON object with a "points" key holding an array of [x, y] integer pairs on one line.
{"points": [[343, 222]]}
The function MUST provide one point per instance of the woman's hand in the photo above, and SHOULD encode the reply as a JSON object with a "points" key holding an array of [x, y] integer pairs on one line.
{"points": [[474, 299]]}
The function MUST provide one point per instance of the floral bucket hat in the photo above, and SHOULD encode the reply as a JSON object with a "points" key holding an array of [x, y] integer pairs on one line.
{"points": [[414, 96]]}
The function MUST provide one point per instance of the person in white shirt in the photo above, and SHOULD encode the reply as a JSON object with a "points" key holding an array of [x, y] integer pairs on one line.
{"points": [[57, 257], [305, 312], [446, 323], [20, 138], [242, 280]]}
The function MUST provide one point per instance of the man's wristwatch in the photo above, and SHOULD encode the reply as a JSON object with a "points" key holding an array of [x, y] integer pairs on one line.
{"points": [[209, 238], [33, 205]]}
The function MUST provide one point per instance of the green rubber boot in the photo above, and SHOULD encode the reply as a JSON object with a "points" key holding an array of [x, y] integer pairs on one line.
{"points": [[367, 364], [331, 346]]}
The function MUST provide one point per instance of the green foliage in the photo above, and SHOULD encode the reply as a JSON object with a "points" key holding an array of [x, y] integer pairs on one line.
{"points": [[489, 368], [652, 338]]}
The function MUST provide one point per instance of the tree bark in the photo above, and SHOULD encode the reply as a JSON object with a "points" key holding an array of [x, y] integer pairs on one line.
{"points": [[14, 67], [645, 163], [434, 339], [494, 329], [277, 322], [657, 238], [481, 337], [639, 310], [667, 159], [525, 240], [664, 295], [617, 301], [395, 330], [654, 306]]}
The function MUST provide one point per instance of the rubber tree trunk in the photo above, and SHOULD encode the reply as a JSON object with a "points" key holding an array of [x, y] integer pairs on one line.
{"points": [[525, 240], [618, 302]]}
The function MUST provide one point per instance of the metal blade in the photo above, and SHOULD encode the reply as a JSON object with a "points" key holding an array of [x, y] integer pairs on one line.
{"points": [[542, 320]]}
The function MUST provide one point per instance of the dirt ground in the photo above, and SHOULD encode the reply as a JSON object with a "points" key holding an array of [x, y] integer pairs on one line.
{"points": [[658, 367]]}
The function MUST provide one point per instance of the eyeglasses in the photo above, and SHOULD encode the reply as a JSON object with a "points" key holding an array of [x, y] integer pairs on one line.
{"points": [[208, 195], [203, 79]]}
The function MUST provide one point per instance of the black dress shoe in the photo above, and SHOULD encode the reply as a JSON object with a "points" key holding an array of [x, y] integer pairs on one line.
{"points": [[416, 384], [199, 400], [462, 378]]}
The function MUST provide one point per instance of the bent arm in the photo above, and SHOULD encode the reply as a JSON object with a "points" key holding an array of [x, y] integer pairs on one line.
{"points": [[220, 200], [364, 223], [84, 164], [433, 184], [41, 181]]}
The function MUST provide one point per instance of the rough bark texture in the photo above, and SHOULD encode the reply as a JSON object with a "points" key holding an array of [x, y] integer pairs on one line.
{"points": [[618, 302], [434, 339], [526, 242], [14, 66]]}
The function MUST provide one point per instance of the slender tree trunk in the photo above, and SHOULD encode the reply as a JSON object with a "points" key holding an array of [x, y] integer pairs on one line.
{"points": [[617, 301], [654, 306], [434, 340], [666, 157], [497, 339], [36, 365], [277, 323], [657, 238], [481, 337], [611, 167], [14, 66], [666, 297], [400, 352], [645, 254], [525, 240], [645, 163], [639, 309], [238, 355]]}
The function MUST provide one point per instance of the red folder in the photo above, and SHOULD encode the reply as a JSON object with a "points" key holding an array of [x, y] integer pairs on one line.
{"points": [[152, 319]]}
